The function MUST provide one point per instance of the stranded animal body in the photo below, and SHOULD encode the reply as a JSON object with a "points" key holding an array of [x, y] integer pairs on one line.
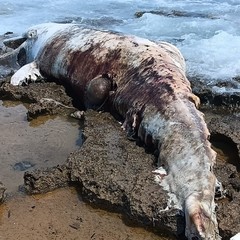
{"points": [[152, 94]]}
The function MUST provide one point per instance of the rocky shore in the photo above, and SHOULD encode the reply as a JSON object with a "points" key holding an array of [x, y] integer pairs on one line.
{"points": [[117, 174]]}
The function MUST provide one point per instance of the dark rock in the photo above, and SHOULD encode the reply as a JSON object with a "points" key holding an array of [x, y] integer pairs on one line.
{"points": [[2, 192], [14, 42], [211, 95], [227, 128], [228, 210], [42, 181], [44, 98], [225, 135], [23, 165], [34, 92], [113, 173], [228, 217], [116, 174], [176, 13], [102, 22]]}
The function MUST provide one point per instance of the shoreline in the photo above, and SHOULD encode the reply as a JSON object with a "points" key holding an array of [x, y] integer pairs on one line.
{"points": [[226, 172]]}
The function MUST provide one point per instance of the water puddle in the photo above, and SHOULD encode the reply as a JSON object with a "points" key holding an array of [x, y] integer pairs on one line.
{"points": [[43, 142], [63, 215]]}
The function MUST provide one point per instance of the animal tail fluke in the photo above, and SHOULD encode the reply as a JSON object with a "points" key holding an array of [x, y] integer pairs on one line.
{"points": [[200, 217]]}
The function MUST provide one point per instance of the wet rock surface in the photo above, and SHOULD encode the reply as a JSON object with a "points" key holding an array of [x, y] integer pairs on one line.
{"points": [[116, 174], [63, 215], [176, 13], [23, 165], [2, 192], [225, 132], [44, 98], [228, 128], [225, 137], [228, 210], [43, 181], [224, 95]]}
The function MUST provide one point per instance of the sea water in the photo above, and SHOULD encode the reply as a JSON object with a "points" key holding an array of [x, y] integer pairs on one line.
{"points": [[206, 31]]}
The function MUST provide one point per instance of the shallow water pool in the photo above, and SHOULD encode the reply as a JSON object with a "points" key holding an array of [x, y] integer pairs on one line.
{"points": [[44, 142]]}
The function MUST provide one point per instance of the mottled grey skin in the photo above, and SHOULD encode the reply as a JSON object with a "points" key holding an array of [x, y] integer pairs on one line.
{"points": [[154, 97]]}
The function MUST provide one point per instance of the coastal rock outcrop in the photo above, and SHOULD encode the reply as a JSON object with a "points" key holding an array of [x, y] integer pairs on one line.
{"points": [[113, 173], [116, 174]]}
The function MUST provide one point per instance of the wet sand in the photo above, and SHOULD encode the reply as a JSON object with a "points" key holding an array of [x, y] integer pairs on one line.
{"points": [[63, 215]]}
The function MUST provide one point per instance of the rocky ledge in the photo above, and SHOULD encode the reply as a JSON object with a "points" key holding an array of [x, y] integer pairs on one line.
{"points": [[116, 174], [113, 173]]}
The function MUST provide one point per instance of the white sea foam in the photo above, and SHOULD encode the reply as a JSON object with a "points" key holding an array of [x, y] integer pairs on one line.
{"points": [[217, 57], [209, 42]]}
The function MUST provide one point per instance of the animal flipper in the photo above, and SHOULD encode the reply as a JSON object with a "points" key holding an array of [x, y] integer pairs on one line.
{"points": [[28, 72]]}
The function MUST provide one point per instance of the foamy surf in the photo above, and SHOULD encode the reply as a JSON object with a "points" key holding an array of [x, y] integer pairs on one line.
{"points": [[206, 32]]}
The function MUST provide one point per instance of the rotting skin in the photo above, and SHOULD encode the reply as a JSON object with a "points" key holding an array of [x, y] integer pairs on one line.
{"points": [[154, 97]]}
